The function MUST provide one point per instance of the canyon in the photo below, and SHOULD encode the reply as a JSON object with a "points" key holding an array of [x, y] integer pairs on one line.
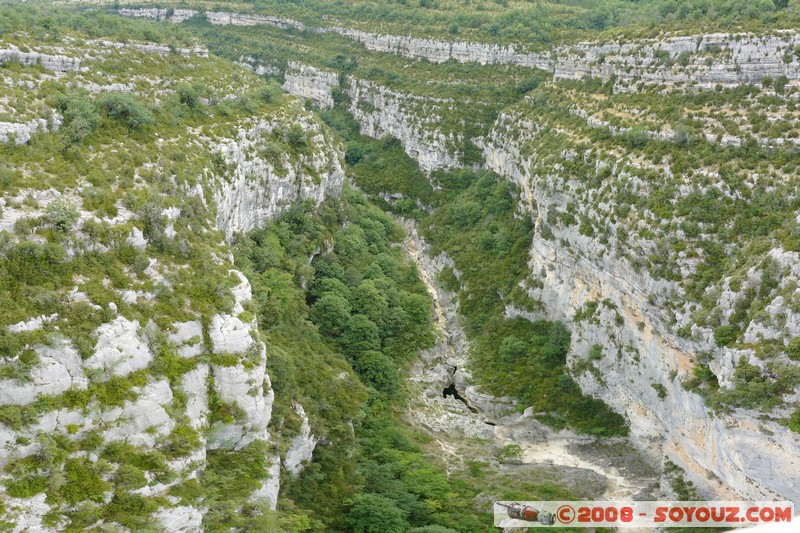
{"points": [[585, 148]]}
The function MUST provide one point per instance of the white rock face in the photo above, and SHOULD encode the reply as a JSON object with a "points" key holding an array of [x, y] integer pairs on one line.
{"points": [[258, 191], [703, 60], [153, 13], [141, 422], [230, 335], [158, 14], [271, 485], [58, 370], [222, 18], [195, 386], [53, 62], [437, 51], [251, 390], [181, 519], [302, 446], [309, 82], [188, 337], [31, 324], [640, 349], [28, 513], [412, 119], [21, 132], [120, 349], [251, 64]]}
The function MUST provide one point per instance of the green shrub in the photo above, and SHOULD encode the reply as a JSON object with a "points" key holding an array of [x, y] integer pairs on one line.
{"points": [[83, 482], [62, 215], [793, 349], [794, 421], [660, 389], [126, 109], [128, 477], [725, 335], [270, 92], [27, 486], [511, 453], [81, 117], [296, 136], [188, 94]]}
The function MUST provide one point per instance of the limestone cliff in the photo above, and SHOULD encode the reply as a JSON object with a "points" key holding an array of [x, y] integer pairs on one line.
{"points": [[312, 83], [703, 60], [415, 120], [163, 362], [259, 189], [644, 360]]}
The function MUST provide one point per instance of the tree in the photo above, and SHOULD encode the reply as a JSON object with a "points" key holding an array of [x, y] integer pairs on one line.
{"points": [[781, 4], [512, 349], [188, 95], [360, 335], [780, 84], [375, 514], [80, 114], [297, 137], [351, 247], [128, 477], [369, 301], [127, 109], [328, 266], [321, 286], [270, 92], [377, 370], [331, 314]]}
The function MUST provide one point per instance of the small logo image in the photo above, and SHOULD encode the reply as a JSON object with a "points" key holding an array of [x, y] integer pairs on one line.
{"points": [[566, 514], [518, 511], [650, 514]]}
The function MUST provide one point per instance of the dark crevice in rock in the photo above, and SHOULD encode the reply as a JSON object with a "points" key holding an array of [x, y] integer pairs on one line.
{"points": [[450, 390]]}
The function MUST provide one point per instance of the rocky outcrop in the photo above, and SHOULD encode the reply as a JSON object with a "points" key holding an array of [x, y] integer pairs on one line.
{"points": [[219, 18], [700, 60], [251, 64], [258, 189], [223, 18], [21, 133], [415, 120], [703, 60], [180, 519], [305, 81], [158, 14], [220, 388], [120, 349], [58, 370], [301, 448], [104, 46], [52, 62], [438, 51]]}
